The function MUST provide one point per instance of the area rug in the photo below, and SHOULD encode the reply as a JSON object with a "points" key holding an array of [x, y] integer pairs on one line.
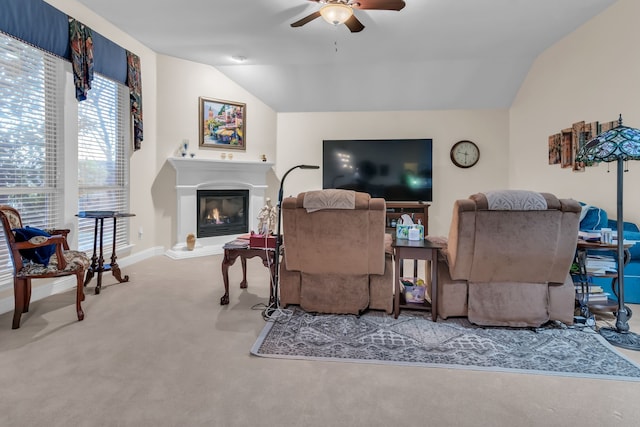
{"points": [[414, 340]]}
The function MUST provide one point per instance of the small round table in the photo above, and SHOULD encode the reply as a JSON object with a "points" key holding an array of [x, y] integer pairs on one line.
{"points": [[97, 261]]}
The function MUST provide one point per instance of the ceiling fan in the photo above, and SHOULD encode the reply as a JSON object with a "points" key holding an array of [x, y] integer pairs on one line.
{"points": [[338, 12]]}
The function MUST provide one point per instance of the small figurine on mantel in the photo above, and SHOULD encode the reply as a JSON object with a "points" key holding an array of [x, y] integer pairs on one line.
{"points": [[267, 218], [191, 241], [184, 147]]}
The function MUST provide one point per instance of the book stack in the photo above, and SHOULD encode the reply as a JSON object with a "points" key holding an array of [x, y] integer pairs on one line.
{"points": [[600, 265], [238, 243], [591, 293], [589, 236]]}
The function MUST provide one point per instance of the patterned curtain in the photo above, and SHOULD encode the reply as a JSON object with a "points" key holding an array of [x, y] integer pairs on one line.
{"points": [[134, 81], [81, 43]]}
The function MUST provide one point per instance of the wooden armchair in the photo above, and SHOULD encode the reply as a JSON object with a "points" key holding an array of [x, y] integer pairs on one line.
{"points": [[63, 262]]}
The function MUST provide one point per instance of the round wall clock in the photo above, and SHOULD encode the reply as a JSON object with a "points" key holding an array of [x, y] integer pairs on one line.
{"points": [[465, 154]]}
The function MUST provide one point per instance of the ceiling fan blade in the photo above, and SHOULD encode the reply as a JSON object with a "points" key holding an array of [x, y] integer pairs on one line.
{"points": [[354, 24], [306, 19], [379, 4]]}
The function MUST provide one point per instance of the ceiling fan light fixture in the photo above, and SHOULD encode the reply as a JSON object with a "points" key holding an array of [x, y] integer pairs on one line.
{"points": [[336, 13]]}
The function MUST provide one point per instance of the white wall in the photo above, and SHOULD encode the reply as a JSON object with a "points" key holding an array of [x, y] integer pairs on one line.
{"points": [[171, 88], [180, 84], [591, 75], [300, 137], [170, 91]]}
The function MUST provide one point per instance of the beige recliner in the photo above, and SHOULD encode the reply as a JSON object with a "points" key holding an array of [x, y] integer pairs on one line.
{"points": [[334, 257], [507, 259]]}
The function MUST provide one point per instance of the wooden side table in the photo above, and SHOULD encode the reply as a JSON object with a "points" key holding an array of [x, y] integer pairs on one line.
{"points": [[582, 247], [268, 257], [97, 261], [416, 249]]}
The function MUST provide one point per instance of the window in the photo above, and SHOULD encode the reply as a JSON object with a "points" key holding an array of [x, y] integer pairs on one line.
{"points": [[38, 138], [31, 148], [103, 158]]}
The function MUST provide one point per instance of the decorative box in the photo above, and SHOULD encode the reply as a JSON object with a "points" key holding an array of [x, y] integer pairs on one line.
{"points": [[261, 241], [412, 292]]}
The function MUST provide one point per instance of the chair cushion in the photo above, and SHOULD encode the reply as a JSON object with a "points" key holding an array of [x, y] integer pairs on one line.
{"points": [[75, 261], [512, 200], [39, 255]]}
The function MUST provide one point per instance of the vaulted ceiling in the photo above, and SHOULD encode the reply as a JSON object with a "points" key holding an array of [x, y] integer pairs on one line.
{"points": [[433, 54]]}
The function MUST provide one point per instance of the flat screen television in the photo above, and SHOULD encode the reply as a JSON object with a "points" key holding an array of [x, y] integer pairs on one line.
{"points": [[394, 169]]}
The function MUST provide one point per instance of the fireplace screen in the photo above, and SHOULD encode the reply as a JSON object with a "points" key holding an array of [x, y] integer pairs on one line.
{"points": [[222, 212]]}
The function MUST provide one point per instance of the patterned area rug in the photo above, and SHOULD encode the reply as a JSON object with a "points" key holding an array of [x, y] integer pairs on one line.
{"points": [[412, 339]]}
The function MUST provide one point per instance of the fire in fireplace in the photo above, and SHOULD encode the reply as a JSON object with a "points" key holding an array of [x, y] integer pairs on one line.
{"points": [[222, 212]]}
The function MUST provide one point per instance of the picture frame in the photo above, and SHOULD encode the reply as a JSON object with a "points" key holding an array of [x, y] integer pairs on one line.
{"points": [[555, 149], [222, 124], [566, 158], [577, 141]]}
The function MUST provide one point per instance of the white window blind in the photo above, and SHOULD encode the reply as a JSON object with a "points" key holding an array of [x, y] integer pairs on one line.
{"points": [[103, 160], [31, 148]]}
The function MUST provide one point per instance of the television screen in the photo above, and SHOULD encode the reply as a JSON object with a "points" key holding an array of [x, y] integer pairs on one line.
{"points": [[394, 169]]}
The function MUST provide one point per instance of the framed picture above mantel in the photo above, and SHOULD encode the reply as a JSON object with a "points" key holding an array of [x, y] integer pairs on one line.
{"points": [[222, 124]]}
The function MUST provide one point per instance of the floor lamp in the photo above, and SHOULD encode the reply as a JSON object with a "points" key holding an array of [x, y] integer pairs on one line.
{"points": [[619, 145], [275, 303]]}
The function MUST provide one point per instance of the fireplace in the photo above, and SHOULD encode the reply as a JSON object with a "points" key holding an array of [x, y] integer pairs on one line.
{"points": [[194, 175], [222, 212]]}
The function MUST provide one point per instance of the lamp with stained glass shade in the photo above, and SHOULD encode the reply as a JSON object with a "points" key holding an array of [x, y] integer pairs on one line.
{"points": [[619, 144]]}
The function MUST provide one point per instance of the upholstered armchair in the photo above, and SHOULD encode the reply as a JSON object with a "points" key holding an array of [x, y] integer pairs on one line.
{"points": [[507, 259], [39, 254], [334, 253]]}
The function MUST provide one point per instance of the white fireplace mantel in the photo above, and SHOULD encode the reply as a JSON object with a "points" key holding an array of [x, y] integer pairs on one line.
{"points": [[210, 174]]}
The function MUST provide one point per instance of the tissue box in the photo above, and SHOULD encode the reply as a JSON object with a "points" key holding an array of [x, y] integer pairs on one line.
{"points": [[402, 231]]}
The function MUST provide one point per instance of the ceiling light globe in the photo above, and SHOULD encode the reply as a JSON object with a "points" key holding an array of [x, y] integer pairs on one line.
{"points": [[336, 14]]}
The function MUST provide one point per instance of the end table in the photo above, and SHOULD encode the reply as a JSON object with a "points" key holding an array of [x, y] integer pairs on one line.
{"points": [[97, 261], [416, 249], [232, 252]]}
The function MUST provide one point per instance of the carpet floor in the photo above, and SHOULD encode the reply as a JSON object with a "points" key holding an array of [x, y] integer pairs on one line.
{"points": [[160, 351], [412, 339]]}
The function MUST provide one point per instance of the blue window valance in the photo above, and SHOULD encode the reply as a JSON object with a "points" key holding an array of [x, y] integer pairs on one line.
{"points": [[42, 25], [109, 58], [37, 23]]}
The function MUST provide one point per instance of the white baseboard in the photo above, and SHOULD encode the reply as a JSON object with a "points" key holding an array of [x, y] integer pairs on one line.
{"points": [[66, 283], [181, 251]]}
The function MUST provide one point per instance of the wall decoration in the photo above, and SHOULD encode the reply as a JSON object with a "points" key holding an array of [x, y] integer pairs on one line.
{"points": [[591, 130], [555, 149], [566, 159], [564, 146], [577, 140], [222, 124], [607, 126]]}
